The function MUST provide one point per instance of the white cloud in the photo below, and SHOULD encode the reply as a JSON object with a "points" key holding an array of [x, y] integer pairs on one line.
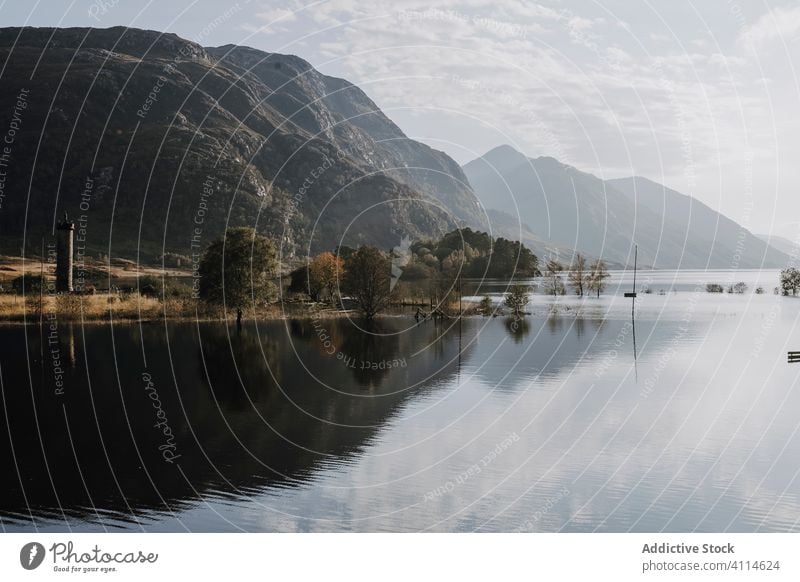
{"points": [[782, 23], [554, 78]]}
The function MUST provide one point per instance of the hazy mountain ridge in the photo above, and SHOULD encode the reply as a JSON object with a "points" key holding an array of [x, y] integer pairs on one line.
{"points": [[792, 249], [568, 207]]}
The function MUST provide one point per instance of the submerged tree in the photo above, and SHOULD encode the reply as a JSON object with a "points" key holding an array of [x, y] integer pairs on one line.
{"points": [[790, 281], [740, 288], [367, 279], [553, 283], [237, 270], [517, 299], [577, 276], [486, 307], [597, 277]]}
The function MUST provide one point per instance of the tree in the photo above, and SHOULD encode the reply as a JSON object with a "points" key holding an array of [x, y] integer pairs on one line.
{"points": [[343, 252], [553, 283], [486, 306], [511, 259], [150, 286], [367, 279], [324, 272], [298, 281], [249, 262], [577, 276], [790, 281], [714, 288], [740, 288], [597, 276], [28, 284], [517, 299]]}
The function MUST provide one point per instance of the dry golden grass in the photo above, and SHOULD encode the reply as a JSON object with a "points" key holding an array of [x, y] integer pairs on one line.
{"points": [[93, 307], [134, 307], [125, 307], [11, 267]]}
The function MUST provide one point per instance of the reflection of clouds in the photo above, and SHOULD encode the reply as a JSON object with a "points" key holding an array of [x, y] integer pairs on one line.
{"points": [[713, 447], [702, 447]]}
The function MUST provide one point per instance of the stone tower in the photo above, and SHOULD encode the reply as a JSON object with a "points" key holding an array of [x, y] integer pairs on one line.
{"points": [[64, 229]]}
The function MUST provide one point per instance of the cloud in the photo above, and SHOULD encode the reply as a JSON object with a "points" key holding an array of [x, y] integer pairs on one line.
{"points": [[553, 78], [779, 23], [277, 14]]}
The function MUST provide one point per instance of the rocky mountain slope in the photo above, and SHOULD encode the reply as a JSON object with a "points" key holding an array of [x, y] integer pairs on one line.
{"points": [[154, 144]]}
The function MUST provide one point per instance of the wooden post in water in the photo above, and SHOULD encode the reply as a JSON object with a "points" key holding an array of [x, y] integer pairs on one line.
{"points": [[41, 286], [632, 294], [460, 309]]}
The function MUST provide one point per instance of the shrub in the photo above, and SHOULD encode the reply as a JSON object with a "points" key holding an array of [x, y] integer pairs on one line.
{"points": [[740, 288], [485, 307]]}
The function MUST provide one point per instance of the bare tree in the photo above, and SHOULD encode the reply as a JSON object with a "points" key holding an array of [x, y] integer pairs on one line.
{"points": [[597, 276], [577, 276], [367, 279], [553, 283]]}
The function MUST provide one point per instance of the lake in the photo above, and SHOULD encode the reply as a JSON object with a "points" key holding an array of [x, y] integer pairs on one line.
{"points": [[575, 419]]}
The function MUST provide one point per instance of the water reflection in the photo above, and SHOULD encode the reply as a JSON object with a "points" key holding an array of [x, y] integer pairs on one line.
{"points": [[518, 328], [247, 411], [313, 425]]}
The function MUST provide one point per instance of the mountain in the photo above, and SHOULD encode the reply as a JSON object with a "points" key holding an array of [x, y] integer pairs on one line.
{"points": [[155, 145], [571, 208], [782, 244]]}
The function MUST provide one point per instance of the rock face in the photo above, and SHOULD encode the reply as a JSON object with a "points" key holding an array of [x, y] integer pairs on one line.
{"points": [[567, 207], [155, 144]]}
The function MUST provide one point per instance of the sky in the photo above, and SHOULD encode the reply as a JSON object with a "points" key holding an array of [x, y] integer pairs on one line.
{"points": [[701, 96]]}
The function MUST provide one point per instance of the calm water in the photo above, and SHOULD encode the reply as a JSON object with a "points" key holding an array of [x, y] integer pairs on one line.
{"points": [[547, 425]]}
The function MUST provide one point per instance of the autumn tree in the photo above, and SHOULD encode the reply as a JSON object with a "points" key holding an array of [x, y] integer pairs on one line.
{"points": [[597, 276], [367, 277], [324, 273], [237, 269]]}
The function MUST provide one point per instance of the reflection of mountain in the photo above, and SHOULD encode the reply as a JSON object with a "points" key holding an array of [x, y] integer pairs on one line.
{"points": [[93, 453]]}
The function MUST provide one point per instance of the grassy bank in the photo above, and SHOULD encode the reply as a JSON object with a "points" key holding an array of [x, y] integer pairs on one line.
{"points": [[106, 307], [134, 307]]}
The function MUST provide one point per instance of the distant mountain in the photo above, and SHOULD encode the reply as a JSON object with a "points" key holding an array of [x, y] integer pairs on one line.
{"points": [[155, 143], [574, 209], [782, 244]]}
